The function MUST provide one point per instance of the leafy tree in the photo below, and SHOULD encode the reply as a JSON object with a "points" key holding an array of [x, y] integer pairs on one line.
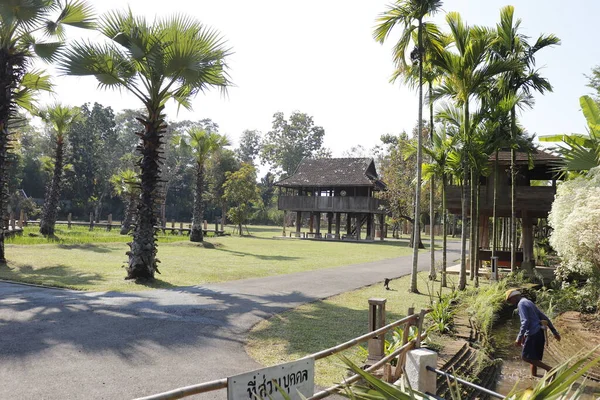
{"points": [[202, 144], [249, 147], [241, 190], [20, 23], [290, 141], [580, 152], [61, 118], [126, 184], [95, 145], [594, 82], [173, 58], [219, 165], [409, 14]]}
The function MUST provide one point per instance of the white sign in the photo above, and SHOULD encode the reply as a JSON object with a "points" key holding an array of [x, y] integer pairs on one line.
{"points": [[292, 378]]}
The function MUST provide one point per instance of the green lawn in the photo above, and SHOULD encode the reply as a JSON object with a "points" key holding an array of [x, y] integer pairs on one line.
{"points": [[323, 324], [86, 260]]}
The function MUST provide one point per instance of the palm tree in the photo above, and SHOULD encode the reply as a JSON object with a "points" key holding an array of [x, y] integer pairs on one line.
{"points": [[20, 21], [61, 118], [202, 144], [406, 13], [126, 184], [467, 71], [510, 44], [580, 152], [438, 151], [173, 58]]}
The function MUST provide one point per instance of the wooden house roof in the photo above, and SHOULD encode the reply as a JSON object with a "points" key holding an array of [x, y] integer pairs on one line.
{"points": [[539, 157], [334, 172]]}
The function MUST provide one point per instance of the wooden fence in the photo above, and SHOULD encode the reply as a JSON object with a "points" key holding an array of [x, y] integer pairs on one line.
{"points": [[391, 373]]}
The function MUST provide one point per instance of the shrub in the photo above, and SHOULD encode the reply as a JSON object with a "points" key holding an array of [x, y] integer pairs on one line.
{"points": [[575, 217]]}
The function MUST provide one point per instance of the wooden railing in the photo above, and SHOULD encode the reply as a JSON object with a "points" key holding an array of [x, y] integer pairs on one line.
{"points": [[393, 374], [331, 204]]}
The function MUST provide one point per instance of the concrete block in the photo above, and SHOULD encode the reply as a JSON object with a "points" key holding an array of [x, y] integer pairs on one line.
{"points": [[418, 376]]}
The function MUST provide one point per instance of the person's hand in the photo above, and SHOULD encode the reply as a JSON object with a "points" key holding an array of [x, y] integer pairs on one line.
{"points": [[518, 342], [557, 336]]}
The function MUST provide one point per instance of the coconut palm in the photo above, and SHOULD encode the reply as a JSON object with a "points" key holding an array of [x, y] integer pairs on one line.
{"points": [[61, 118], [409, 14], [173, 58], [126, 184], [467, 72], [510, 44], [580, 152], [22, 22], [202, 144]]}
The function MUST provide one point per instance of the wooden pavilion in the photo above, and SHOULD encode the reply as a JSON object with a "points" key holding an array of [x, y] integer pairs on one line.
{"points": [[532, 201], [335, 187]]}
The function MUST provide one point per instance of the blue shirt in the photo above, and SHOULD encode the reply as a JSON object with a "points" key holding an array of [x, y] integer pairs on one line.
{"points": [[531, 318]]}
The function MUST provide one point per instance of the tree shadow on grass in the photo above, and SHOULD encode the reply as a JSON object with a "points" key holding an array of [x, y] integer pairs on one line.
{"points": [[55, 275], [259, 256], [86, 246]]}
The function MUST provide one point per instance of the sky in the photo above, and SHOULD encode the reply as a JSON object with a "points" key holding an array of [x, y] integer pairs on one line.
{"points": [[318, 57]]}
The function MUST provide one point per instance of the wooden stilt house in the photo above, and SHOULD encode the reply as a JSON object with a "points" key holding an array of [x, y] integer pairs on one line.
{"points": [[536, 179], [342, 189]]}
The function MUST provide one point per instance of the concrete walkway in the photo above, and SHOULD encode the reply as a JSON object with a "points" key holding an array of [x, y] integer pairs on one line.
{"points": [[62, 344]]}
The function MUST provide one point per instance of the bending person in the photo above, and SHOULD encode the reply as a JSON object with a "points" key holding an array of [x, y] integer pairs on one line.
{"points": [[531, 335]]}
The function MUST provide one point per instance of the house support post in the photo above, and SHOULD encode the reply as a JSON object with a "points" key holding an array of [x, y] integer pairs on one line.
{"points": [[318, 225], [298, 223], [381, 226], [338, 221]]}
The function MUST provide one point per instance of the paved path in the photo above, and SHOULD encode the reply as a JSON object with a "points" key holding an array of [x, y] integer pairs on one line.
{"points": [[62, 344]]}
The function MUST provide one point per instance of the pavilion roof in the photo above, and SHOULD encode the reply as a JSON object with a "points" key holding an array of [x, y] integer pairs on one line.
{"points": [[539, 157], [334, 172]]}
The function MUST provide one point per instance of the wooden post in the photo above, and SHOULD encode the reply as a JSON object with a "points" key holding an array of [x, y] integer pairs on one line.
{"points": [[348, 223], [216, 225], [402, 356], [318, 225], [21, 217], [25, 219], [420, 328], [204, 225], [329, 222], [298, 223], [376, 321], [91, 221], [12, 221], [69, 220], [181, 228], [109, 224], [173, 223], [284, 221]]}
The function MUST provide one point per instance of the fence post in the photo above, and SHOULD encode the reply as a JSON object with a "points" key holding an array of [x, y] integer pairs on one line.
{"points": [[418, 376], [205, 224], [25, 219], [400, 360], [69, 220], [91, 221], [376, 321], [109, 225], [420, 328], [180, 228], [12, 221], [21, 218], [173, 223]]}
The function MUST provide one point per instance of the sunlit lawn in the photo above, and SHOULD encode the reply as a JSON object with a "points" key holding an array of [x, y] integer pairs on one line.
{"points": [[86, 260], [317, 326]]}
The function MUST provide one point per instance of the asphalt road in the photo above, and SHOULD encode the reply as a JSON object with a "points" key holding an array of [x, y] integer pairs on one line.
{"points": [[63, 344]]}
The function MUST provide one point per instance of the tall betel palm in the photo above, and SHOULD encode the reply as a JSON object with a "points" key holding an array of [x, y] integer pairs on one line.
{"points": [[512, 45], [20, 22], [467, 72], [60, 118], [203, 144], [406, 13], [174, 58]]}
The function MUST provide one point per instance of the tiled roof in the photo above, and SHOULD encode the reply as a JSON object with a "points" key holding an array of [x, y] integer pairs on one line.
{"points": [[330, 172]]}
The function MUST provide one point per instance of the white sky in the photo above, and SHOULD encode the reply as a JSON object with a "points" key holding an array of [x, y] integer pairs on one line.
{"points": [[318, 57]]}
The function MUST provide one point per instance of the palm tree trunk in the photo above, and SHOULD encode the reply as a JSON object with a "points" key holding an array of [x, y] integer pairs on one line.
{"points": [[462, 278], [416, 232], [51, 200], [196, 235], [432, 273], [129, 214], [477, 234], [472, 226], [513, 211], [444, 233], [494, 210], [143, 264]]}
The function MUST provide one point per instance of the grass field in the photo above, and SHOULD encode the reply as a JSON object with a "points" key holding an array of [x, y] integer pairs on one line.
{"points": [[323, 324], [85, 260]]}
